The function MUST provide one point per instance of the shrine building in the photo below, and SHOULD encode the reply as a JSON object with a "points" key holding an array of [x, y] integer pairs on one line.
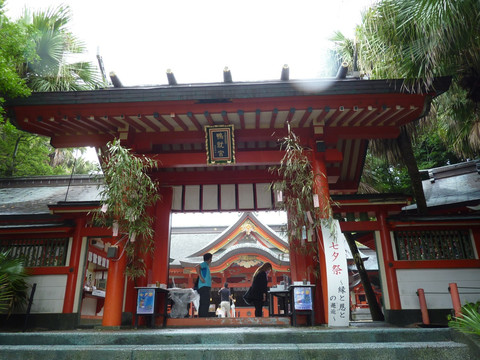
{"points": [[180, 126]]}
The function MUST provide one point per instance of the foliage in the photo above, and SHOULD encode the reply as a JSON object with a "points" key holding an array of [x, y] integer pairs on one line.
{"points": [[346, 50], [13, 285], [421, 39], [297, 187], [56, 47], [25, 154], [385, 178], [34, 52], [469, 322], [15, 47], [431, 150], [418, 40], [126, 195], [459, 122]]}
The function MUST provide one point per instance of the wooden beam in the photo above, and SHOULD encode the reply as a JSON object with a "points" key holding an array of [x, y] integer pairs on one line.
{"points": [[164, 122], [195, 159], [354, 226], [333, 134], [95, 140]]}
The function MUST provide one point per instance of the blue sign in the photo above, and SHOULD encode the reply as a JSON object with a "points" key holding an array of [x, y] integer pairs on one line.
{"points": [[302, 296], [146, 301]]}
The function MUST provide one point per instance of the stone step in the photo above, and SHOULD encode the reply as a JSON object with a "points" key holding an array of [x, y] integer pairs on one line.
{"points": [[361, 351], [237, 343], [229, 336]]}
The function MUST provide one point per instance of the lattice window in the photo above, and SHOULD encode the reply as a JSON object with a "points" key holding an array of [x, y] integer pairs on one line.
{"points": [[434, 245], [38, 252]]}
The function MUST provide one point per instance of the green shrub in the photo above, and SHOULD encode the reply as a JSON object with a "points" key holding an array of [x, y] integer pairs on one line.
{"points": [[13, 284], [470, 321]]}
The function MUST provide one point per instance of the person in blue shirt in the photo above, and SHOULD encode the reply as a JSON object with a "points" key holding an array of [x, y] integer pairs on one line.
{"points": [[204, 284]]}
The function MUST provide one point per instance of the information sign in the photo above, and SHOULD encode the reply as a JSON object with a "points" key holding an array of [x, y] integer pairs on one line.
{"points": [[146, 301]]}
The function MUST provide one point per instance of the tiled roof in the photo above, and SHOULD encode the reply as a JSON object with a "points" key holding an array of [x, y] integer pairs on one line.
{"points": [[457, 184], [23, 196]]}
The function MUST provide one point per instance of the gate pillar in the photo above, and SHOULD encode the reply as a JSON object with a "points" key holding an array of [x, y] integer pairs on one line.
{"points": [[112, 311], [71, 287], [161, 226], [321, 189]]}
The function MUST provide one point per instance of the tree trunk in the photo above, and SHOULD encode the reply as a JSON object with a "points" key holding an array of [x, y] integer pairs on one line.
{"points": [[405, 146], [11, 168], [375, 309]]}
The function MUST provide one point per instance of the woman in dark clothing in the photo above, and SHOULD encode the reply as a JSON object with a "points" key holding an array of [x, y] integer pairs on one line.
{"points": [[258, 290]]}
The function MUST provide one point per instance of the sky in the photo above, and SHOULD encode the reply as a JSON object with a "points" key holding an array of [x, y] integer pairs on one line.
{"points": [[139, 40]]}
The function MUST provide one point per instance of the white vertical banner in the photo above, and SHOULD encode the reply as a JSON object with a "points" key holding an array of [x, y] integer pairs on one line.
{"points": [[337, 275]]}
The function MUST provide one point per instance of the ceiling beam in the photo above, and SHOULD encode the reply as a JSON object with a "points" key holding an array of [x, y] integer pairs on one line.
{"points": [[212, 177], [195, 159]]}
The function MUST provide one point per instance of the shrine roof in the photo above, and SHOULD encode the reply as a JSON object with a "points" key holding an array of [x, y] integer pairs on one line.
{"points": [[168, 123], [452, 186], [230, 234], [33, 195], [222, 92]]}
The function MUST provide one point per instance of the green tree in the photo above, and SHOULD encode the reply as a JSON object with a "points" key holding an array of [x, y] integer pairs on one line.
{"points": [[35, 54], [383, 177], [16, 47], [25, 154], [56, 46], [419, 40]]}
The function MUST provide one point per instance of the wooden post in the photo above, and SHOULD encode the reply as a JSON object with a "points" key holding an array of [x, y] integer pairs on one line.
{"points": [[112, 311], [457, 305], [71, 287], [322, 190], [423, 306], [390, 273], [161, 254]]}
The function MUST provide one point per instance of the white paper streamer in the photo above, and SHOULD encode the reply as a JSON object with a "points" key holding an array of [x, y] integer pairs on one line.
{"points": [[115, 228]]}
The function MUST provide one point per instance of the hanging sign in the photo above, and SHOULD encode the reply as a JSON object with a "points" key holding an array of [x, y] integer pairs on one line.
{"points": [[220, 144], [337, 275], [145, 301]]}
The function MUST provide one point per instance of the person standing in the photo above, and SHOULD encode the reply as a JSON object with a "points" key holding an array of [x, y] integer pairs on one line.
{"points": [[204, 284], [225, 298], [258, 291], [233, 306]]}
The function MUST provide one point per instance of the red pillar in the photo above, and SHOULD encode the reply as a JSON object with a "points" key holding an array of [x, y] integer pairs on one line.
{"points": [[390, 273], [423, 306], [73, 268], [322, 190], [297, 262], [130, 296], [112, 311], [161, 255], [457, 305]]}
